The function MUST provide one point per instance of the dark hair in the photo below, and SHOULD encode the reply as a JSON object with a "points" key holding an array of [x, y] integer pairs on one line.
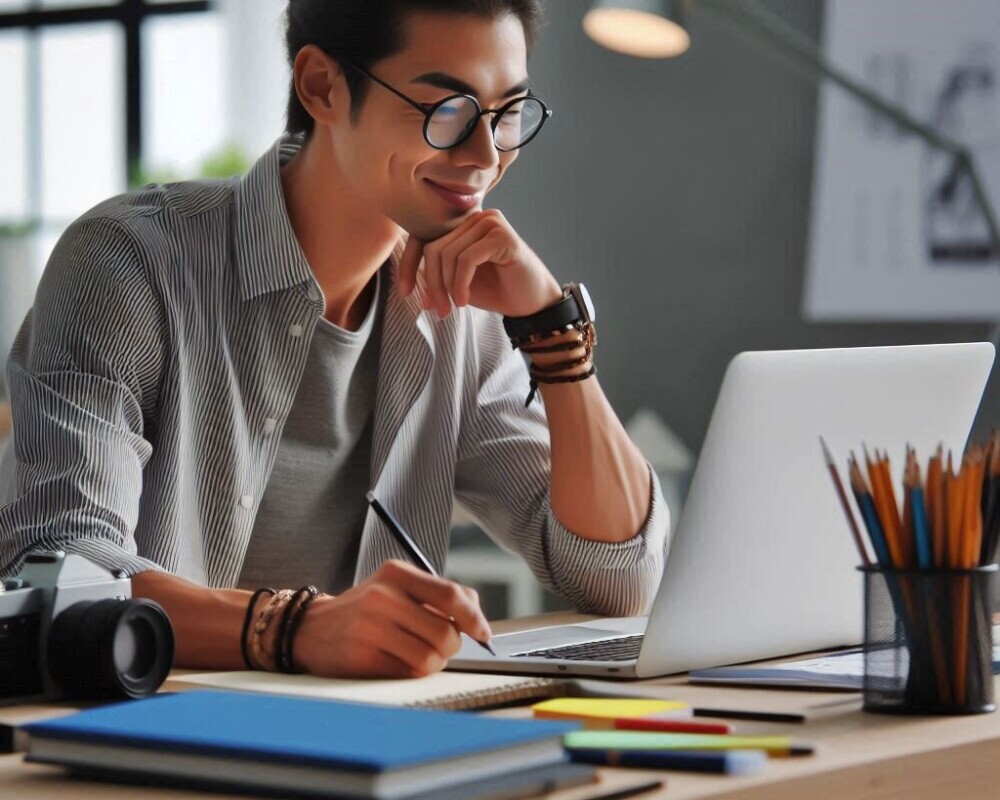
{"points": [[366, 31]]}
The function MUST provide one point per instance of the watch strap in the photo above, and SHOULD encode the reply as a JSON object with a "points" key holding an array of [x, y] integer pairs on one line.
{"points": [[558, 317]]}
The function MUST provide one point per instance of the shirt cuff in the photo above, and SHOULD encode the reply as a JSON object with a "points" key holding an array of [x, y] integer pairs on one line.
{"points": [[101, 552], [611, 578]]}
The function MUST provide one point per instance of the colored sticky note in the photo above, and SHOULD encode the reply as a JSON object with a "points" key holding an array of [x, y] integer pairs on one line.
{"points": [[606, 708], [629, 740]]}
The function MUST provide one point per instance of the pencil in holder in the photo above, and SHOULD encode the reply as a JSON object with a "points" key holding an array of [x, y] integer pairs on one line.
{"points": [[928, 645]]}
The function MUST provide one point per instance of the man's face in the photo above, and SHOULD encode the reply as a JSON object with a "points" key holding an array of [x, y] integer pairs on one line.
{"points": [[385, 156]]}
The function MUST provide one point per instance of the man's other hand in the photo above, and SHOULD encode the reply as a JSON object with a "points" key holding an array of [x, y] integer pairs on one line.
{"points": [[400, 623]]}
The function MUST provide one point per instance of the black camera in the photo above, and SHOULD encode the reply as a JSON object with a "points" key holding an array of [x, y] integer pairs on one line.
{"points": [[69, 630]]}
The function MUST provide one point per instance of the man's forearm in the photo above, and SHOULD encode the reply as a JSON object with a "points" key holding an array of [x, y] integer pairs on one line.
{"points": [[600, 481], [207, 622]]}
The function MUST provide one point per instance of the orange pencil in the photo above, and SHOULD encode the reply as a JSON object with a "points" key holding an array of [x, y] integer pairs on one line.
{"points": [[972, 529], [935, 507], [954, 498], [904, 542], [885, 506]]}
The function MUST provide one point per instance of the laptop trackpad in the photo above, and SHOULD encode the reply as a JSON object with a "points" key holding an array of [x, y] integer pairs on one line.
{"points": [[560, 635]]}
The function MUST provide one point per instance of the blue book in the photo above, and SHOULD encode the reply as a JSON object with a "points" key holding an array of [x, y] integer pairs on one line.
{"points": [[292, 746]]}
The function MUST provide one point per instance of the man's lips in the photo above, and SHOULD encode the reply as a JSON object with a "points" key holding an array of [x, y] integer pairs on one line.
{"points": [[464, 200], [458, 188]]}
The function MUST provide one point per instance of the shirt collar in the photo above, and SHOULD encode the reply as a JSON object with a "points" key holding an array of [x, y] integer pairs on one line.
{"points": [[268, 255]]}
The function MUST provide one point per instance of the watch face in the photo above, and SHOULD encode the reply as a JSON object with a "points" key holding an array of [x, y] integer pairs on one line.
{"points": [[588, 304]]}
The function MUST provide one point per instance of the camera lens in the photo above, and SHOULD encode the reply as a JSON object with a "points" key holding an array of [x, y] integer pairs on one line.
{"points": [[110, 648]]}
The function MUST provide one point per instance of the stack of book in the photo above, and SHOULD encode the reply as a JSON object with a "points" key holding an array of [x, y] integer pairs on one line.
{"points": [[289, 747]]}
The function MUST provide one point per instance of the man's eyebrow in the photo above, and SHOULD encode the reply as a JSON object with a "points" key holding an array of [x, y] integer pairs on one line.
{"points": [[443, 80]]}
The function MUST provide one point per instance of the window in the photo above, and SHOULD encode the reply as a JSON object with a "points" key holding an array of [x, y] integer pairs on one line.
{"points": [[96, 96]]}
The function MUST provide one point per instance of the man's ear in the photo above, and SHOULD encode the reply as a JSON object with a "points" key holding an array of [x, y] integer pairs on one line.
{"points": [[317, 78]]}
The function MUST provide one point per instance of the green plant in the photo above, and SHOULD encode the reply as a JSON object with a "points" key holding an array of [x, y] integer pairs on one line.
{"points": [[14, 230], [227, 161]]}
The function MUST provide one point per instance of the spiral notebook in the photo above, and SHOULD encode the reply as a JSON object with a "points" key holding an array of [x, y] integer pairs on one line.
{"points": [[444, 690]]}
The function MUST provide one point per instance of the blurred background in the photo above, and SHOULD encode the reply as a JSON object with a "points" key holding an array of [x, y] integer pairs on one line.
{"points": [[715, 202]]}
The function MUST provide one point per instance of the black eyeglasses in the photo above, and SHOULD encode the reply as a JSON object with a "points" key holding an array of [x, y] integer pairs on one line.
{"points": [[451, 121]]}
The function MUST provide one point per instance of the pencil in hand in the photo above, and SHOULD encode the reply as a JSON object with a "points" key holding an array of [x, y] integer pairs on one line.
{"points": [[412, 550]]}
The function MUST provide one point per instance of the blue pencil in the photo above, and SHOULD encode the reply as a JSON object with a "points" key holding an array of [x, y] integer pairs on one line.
{"points": [[728, 762], [866, 505], [921, 530], [921, 527]]}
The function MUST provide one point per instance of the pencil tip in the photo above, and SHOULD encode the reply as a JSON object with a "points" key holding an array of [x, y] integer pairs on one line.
{"points": [[826, 452]]}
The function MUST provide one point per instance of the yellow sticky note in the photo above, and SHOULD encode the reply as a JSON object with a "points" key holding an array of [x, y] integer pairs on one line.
{"points": [[604, 708]]}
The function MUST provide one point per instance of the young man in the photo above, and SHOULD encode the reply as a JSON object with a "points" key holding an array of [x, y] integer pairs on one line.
{"points": [[214, 374]]}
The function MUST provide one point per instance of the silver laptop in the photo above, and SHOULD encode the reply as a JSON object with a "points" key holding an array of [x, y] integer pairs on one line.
{"points": [[762, 563]]}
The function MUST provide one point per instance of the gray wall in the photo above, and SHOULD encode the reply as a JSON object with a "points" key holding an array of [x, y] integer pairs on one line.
{"points": [[679, 191]]}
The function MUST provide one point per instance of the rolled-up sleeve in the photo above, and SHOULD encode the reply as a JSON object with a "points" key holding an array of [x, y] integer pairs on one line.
{"points": [[503, 478], [82, 374]]}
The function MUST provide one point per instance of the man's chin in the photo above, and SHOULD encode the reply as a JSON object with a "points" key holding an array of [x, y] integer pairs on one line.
{"points": [[427, 230]]}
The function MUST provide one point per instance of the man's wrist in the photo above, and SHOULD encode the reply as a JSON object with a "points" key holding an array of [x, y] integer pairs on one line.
{"points": [[547, 298]]}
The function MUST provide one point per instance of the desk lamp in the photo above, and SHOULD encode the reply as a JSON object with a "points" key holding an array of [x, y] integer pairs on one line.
{"points": [[655, 29]]}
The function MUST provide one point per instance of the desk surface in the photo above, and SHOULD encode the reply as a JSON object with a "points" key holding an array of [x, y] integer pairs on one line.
{"points": [[858, 755]]}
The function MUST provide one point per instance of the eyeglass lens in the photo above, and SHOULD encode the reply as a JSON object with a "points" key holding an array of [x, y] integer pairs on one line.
{"points": [[453, 121]]}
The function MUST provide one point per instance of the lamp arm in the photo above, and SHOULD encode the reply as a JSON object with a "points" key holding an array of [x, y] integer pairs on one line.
{"points": [[771, 30]]}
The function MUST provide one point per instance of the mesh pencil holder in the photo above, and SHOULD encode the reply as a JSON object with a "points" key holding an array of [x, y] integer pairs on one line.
{"points": [[928, 645]]}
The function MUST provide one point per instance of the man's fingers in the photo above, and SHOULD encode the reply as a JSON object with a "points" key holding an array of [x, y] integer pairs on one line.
{"points": [[437, 297], [433, 627], [451, 257], [452, 599], [467, 263], [412, 650], [409, 263]]}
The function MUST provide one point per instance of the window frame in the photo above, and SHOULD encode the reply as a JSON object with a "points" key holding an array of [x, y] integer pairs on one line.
{"points": [[130, 15]]}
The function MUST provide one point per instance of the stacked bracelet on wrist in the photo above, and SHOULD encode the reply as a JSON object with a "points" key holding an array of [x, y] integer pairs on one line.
{"points": [[546, 332], [260, 650], [551, 373]]}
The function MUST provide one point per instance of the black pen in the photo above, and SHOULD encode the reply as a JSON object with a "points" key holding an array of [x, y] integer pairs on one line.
{"points": [[410, 547]]}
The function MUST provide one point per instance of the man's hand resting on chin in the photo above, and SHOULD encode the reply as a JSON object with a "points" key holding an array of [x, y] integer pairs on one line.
{"points": [[483, 263]]}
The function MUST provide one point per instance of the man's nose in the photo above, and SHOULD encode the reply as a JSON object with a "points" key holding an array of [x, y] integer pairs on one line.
{"points": [[479, 149]]}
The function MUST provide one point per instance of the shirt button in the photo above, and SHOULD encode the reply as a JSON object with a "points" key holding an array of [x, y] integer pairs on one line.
{"points": [[295, 330], [247, 501], [269, 426]]}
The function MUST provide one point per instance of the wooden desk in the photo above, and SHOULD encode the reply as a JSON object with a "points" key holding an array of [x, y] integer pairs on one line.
{"points": [[858, 755]]}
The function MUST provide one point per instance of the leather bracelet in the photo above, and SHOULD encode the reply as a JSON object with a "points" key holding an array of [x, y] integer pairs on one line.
{"points": [[556, 348], [244, 649], [519, 342], [260, 657], [537, 379], [296, 606], [288, 642], [551, 369]]}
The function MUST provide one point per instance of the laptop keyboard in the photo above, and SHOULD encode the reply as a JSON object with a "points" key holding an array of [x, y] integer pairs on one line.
{"points": [[624, 648]]}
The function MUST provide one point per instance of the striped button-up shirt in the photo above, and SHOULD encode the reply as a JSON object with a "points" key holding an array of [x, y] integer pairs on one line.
{"points": [[152, 378]]}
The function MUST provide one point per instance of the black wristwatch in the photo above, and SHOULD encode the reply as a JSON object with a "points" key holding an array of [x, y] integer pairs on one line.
{"points": [[575, 310]]}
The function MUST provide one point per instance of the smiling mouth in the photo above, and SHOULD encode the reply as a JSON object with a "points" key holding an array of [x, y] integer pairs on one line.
{"points": [[462, 191], [460, 201]]}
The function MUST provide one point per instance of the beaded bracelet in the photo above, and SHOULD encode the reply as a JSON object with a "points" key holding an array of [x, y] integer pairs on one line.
{"points": [[260, 657], [246, 622], [290, 621]]}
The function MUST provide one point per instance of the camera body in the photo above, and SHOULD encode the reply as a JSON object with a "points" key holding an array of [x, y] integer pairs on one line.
{"points": [[68, 630]]}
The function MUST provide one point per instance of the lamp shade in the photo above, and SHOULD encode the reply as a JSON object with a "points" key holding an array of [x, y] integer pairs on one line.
{"points": [[643, 28]]}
